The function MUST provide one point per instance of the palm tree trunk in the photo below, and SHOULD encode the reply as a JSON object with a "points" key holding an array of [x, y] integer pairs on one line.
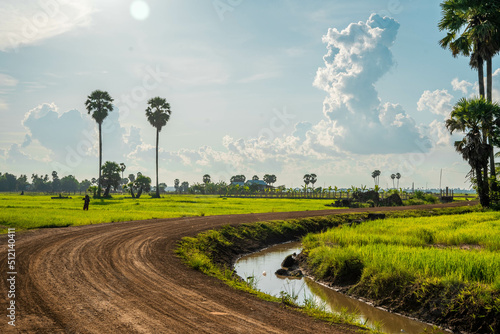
{"points": [[157, 142], [100, 162], [489, 90], [480, 74], [485, 200]]}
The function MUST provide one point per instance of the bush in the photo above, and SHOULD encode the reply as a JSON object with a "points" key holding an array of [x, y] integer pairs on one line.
{"points": [[429, 198], [415, 201]]}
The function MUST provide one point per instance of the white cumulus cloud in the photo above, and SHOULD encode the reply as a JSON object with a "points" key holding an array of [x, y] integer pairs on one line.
{"points": [[438, 102], [462, 86], [357, 57]]}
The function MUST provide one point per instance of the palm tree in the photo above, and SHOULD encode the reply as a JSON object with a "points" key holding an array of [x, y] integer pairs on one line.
{"points": [[269, 178], [122, 168], [307, 180], [314, 178], [99, 104], [176, 185], [376, 174], [393, 176], [471, 117], [398, 176], [255, 177], [158, 113], [206, 178], [478, 23]]}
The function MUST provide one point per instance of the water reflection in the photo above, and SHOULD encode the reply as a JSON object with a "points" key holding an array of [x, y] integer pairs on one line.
{"points": [[262, 265]]}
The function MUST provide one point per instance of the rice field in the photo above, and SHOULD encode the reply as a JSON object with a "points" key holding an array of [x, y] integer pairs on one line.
{"points": [[40, 211], [455, 248]]}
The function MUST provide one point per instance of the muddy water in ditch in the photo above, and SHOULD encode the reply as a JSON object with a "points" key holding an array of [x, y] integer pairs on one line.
{"points": [[263, 264]]}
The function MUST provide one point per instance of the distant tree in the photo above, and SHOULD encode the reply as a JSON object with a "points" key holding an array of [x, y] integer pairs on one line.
{"points": [[376, 176], [177, 185], [122, 168], [314, 178], [56, 182], [158, 113], [307, 180], [206, 178], [184, 187], [393, 176], [255, 177], [142, 183], [162, 186], [84, 185], [110, 176], [22, 182], [99, 104], [8, 182], [93, 180], [70, 184], [40, 183], [138, 186], [124, 181], [238, 178], [398, 176], [269, 179]]}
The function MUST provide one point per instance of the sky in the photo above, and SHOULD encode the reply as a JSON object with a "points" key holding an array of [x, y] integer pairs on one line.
{"points": [[284, 87]]}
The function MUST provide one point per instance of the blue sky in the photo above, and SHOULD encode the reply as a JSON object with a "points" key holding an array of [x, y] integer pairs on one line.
{"points": [[286, 87]]}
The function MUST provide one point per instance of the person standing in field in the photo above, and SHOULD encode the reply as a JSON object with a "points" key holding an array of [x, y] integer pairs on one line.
{"points": [[86, 202]]}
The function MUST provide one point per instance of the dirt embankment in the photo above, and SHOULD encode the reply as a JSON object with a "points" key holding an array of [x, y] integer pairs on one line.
{"points": [[125, 278]]}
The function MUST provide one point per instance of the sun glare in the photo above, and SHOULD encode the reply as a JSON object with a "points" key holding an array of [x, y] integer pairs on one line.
{"points": [[139, 10]]}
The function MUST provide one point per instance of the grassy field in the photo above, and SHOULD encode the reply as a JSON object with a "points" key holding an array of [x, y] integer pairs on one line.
{"points": [[412, 262], [462, 248], [38, 211]]}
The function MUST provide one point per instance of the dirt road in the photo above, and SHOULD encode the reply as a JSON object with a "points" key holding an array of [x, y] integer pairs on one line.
{"points": [[125, 278]]}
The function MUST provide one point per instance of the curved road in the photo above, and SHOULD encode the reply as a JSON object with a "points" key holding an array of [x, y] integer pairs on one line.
{"points": [[125, 278]]}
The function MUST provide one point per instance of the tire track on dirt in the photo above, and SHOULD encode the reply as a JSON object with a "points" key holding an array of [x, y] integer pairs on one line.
{"points": [[125, 278]]}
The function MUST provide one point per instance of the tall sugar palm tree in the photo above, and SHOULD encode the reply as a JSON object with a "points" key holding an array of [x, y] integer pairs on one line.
{"points": [[473, 28], [307, 179], [471, 117], [122, 167], [398, 176], [99, 105], [206, 178], [376, 176], [158, 113], [393, 176], [314, 178]]}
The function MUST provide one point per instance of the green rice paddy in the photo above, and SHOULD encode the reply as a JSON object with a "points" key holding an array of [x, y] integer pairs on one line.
{"points": [[459, 248], [38, 211]]}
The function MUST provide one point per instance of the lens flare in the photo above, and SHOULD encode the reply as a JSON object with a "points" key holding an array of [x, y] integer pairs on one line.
{"points": [[139, 10]]}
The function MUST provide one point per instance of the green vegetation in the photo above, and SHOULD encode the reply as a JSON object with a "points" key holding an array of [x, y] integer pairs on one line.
{"points": [[158, 113], [454, 258], [211, 252], [99, 105], [472, 30], [37, 211], [208, 253]]}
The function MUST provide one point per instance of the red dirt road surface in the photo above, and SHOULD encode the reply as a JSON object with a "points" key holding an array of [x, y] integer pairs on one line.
{"points": [[125, 278]]}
